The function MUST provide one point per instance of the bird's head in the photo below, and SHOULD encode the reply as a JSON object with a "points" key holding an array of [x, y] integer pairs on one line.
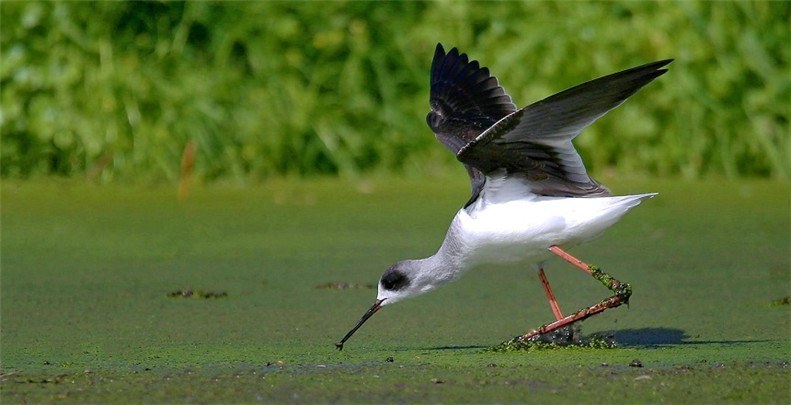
{"points": [[402, 280]]}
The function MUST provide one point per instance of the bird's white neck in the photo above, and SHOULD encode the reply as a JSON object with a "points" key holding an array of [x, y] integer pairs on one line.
{"points": [[450, 260]]}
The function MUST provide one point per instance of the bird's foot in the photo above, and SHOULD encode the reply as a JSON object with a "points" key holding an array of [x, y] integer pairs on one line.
{"points": [[567, 336]]}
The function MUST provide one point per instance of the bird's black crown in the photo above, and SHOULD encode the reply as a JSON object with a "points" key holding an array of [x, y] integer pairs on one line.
{"points": [[394, 279]]}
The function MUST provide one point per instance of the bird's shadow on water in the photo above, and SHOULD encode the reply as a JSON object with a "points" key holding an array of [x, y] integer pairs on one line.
{"points": [[635, 338], [655, 337], [649, 337]]}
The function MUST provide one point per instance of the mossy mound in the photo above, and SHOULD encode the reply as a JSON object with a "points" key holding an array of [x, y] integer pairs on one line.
{"points": [[568, 337]]}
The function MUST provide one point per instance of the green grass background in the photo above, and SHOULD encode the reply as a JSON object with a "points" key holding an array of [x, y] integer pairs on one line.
{"points": [[115, 90]]}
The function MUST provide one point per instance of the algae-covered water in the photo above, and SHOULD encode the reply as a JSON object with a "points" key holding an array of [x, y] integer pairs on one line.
{"points": [[236, 294]]}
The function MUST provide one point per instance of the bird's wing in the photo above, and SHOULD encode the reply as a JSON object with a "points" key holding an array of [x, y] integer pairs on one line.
{"points": [[535, 142], [465, 101]]}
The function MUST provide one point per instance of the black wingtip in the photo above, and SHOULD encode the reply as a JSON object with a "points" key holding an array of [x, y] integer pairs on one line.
{"points": [[439, 53], [620, 85], [653, 66], [662, 63]]}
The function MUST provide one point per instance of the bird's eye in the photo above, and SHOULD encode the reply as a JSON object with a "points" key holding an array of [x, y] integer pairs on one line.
{"points": [[394, 280]]}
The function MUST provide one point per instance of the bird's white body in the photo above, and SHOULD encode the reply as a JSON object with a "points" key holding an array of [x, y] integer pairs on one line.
{"points": [[508, 224]]}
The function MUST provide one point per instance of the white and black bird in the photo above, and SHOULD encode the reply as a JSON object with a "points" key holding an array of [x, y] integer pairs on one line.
{"points": [[531, 195]]}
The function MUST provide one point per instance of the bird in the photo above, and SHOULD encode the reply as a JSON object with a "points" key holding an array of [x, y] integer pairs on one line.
{"points": [[531, 196]]}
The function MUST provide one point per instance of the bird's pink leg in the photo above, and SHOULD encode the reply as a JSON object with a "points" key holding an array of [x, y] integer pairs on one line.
{"points": [[622, 293], [553, 303], [571, 259]]}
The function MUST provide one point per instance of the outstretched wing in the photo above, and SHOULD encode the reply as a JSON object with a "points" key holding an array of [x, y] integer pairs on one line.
{"points": [[465, 101], [535, 142]]}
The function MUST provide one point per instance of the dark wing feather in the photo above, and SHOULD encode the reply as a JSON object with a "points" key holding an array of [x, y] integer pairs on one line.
{"points": [[465, 101], [536, 141]]}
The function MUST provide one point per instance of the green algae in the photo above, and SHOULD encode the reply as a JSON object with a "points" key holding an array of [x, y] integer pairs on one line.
{"points": [[567, 338], [86, 317], [397, 383]]}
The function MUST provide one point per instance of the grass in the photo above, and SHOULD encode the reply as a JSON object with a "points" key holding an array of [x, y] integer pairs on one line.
{"points": [[88, 273], [118, 91]]}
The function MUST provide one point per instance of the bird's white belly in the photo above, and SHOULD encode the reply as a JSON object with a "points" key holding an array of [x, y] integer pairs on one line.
{"points": [[507, 234], [521, 231]]}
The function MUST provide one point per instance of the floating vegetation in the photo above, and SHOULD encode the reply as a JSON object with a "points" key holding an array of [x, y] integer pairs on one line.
{"points": [[345, 286], [197, 294], [568, 337], [781, 302]]}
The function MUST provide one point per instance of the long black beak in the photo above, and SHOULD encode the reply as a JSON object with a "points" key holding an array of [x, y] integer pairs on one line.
{"points": [[375, 307]]}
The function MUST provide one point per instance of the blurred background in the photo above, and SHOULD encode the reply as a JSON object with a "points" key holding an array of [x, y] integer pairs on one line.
{"points": [[242, 91]]}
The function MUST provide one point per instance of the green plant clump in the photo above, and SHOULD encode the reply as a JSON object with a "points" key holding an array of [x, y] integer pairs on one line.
{"points": [[116, 91], [569, 337]]}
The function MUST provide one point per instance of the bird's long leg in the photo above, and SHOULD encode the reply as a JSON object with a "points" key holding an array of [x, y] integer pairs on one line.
{"points": [[622, 292], [553, 303]]}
